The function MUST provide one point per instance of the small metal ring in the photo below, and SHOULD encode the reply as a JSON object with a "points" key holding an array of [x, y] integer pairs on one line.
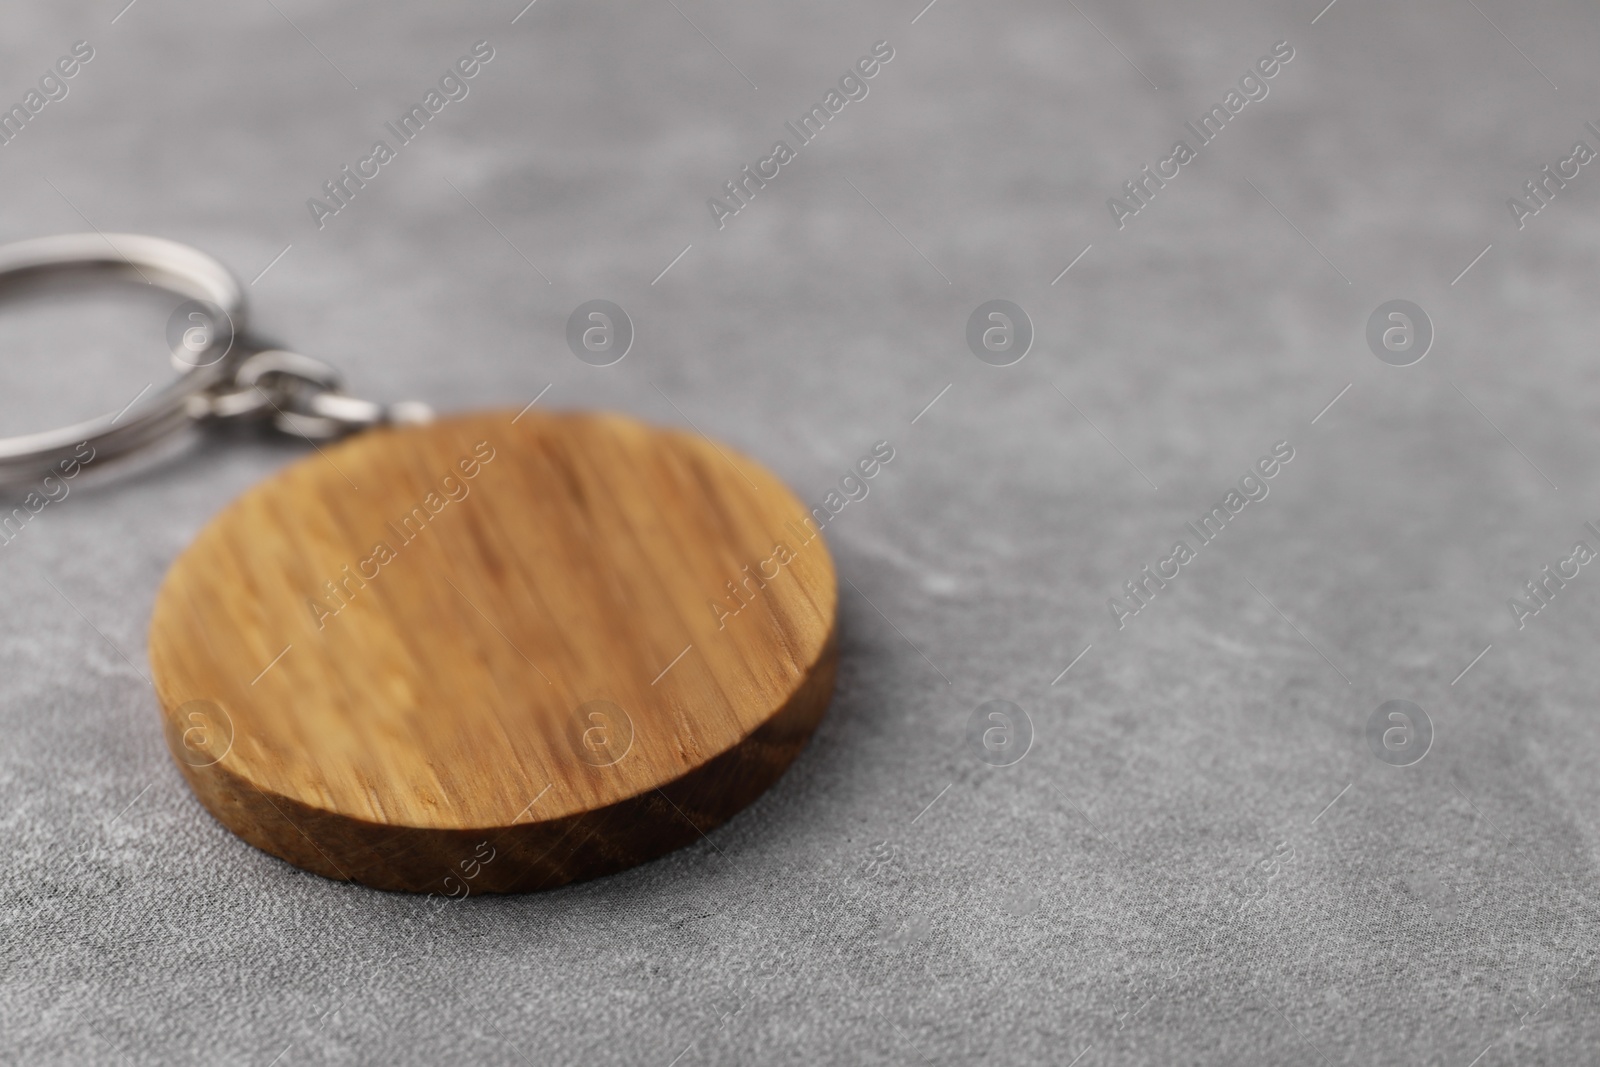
{"points": [[168, 265]]}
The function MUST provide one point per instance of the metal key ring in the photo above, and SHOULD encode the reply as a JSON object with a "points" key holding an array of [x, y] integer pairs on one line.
{"points": [[176, 268], [229, 380]]}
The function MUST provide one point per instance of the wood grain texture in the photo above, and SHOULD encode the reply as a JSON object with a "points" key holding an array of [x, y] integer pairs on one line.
{"points": [[489, 655]]}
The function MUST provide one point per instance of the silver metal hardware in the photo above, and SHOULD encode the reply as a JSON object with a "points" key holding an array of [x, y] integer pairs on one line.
{"points": [[225, 379]]}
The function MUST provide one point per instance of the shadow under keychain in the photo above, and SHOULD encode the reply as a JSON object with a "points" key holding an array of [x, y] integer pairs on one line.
{"points": [[493, 652]]}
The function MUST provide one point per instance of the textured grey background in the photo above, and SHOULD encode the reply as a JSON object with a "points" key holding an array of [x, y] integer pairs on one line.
{"points": [[1108, 895]]}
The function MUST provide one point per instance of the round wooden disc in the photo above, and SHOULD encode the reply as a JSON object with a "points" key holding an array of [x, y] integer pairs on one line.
{"points": [[495, 653]]}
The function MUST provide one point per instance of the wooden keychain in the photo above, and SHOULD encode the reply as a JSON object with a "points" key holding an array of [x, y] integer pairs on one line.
{"points": [[493, 652]]}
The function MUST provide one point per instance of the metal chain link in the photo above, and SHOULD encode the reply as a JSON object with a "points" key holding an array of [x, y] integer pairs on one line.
{"points": [[300, 396]]}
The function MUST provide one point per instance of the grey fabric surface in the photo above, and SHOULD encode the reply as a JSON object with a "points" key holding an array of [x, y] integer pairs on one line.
{"points": [[1200, 859]]}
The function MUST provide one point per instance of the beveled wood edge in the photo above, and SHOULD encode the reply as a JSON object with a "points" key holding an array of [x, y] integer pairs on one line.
{"points": [[733, 780]]}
